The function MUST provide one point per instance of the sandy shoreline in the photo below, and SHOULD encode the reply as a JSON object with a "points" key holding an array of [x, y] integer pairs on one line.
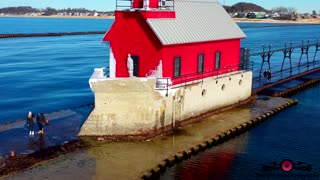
{"points": [[245, 20], [55, 16], [272, 21]]}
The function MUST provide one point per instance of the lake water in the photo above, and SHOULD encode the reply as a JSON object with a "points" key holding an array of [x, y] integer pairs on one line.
{"points": [[48, 74], [292, 134]]}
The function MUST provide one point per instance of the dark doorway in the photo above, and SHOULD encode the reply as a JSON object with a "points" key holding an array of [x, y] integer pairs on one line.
{"points": [[135, 65]]}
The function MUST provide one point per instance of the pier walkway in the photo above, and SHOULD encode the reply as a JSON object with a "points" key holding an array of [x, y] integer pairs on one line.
{"points": [[103, 159], [63, 127], [279, 84], [286, 64], [121, 160]]}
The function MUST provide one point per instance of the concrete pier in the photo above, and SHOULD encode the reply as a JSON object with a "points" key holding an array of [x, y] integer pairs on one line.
{"points": [[131, 108], [134, 160]]}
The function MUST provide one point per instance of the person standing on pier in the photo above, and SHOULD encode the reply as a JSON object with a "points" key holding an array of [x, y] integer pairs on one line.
{"points": [[41, 119], [30, 123], [267, 75]]}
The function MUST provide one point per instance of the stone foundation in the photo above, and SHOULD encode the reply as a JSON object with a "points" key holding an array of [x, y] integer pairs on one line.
{"points": [[132, 107]]}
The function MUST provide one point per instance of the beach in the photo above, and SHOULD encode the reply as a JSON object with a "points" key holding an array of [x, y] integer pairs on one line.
{"points": [[57, 16], [244, 20], [299, 21]]}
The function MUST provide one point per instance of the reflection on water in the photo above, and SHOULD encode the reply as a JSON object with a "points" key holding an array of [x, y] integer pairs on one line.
{"points": [[292, 134], [215, 163]]}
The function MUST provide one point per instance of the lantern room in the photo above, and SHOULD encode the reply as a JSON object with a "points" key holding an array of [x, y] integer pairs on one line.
{"points": [[144, 4]]}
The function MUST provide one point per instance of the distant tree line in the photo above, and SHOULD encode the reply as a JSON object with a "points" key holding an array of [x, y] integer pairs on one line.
{"points": [[244, 7], [236, 8], [48, 11], [251, 7], [18, 10], [284, 10]]}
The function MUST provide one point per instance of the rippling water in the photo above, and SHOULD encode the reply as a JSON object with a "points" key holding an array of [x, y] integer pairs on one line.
{"points": [[47, 74], [42, 25], [292, 134]]}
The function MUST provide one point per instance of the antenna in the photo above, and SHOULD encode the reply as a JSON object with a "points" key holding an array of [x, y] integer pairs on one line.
{"points": [[224, 2]]}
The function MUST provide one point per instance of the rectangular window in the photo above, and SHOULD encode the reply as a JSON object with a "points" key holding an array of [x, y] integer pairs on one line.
{"points": [[218, 60], [200, 63], [135, 60], [177, 66]]}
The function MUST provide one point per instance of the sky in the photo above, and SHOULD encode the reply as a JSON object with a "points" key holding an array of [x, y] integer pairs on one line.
{"points": [[303, 6]]}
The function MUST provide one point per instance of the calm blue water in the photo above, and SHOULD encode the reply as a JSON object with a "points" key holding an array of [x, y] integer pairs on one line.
{"points": [[47, 74], [11, 25]]}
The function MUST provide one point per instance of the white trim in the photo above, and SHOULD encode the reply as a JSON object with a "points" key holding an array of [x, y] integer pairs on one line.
{"points": [[112, 65]]}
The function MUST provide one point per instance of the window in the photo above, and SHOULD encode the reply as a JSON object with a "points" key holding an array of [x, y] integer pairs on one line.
{"points": [[200, 63], [177, 66], [218, 60], [135, 60]]}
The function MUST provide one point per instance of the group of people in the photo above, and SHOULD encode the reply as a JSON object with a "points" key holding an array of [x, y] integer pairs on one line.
{"points": [[41, 121]]}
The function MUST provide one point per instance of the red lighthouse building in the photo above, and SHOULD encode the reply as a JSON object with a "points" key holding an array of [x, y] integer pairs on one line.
{"points": [[189, 37], [170, 62]]}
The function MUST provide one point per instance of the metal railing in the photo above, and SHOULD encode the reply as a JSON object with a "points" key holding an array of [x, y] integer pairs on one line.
{"points": [[162, 4], [123, 4], [268, 52], [192, 78]]}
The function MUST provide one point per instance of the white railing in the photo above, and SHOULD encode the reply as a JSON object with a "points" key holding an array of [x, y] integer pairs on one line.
{"points": [[99, 74]]}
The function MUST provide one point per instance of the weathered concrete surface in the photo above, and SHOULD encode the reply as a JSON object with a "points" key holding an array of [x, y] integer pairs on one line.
{"points": [[131, 106], [64, 126], [129, 160]]}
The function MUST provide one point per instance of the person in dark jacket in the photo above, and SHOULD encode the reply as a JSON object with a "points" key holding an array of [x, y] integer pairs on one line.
{"points": [[39, 123], [41, 120], [267, 75], [30, 123]]}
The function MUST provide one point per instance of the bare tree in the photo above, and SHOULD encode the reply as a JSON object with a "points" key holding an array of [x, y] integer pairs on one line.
{"points": [[292, 10], [280, 10]]}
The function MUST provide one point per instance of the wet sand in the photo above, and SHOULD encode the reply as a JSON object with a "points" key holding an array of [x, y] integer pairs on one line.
{"points": [[129, 160]]}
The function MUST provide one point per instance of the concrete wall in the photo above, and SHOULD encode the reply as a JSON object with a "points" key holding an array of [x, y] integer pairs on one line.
{"points": [[131, 106]]}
